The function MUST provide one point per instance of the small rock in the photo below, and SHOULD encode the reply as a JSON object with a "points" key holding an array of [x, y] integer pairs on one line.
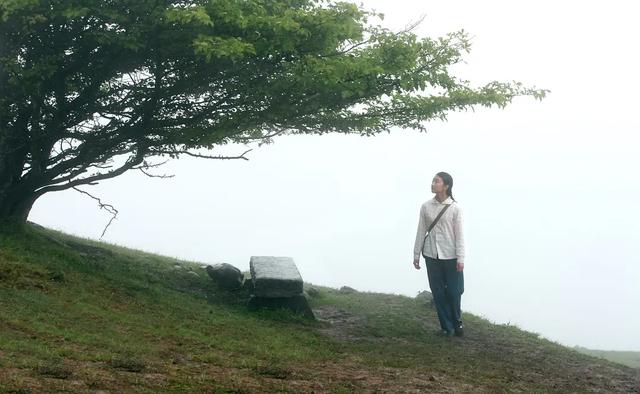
{"points": [[425, 298], [348, 290]]}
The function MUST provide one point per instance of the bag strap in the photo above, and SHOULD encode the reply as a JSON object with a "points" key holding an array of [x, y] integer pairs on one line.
{"points": [[435, 221]]}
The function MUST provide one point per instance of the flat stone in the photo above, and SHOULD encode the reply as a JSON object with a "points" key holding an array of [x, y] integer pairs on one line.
{"points": [[275, 277]]}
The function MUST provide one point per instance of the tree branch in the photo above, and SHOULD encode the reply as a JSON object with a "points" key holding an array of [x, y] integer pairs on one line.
{"points": [[177, 152], [108, 207], [132, 162], [145, 166]]}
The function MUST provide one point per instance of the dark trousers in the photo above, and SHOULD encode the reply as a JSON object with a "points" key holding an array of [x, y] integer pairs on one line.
{"points": [[447, 286]]}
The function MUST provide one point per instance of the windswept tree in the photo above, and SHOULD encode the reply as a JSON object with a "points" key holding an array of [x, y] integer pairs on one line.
{"points": [[91, 89]]}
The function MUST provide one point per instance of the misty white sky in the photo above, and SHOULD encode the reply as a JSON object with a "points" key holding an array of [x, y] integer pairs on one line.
{"points": [[549, 188]]}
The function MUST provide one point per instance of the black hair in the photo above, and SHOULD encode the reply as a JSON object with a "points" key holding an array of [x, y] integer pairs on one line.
{"points": [[447, 180]]}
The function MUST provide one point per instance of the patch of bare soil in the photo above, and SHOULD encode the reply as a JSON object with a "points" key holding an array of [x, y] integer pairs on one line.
{"points": [[339, 324], [348, 376], [18, 377]]}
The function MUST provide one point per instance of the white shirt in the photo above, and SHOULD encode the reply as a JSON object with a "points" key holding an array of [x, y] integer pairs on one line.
{"points": [[446, 240]]}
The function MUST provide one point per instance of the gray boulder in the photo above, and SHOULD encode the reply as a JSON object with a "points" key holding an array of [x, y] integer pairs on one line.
{"points": [[225, 275], [347, 290], [275, 277]]}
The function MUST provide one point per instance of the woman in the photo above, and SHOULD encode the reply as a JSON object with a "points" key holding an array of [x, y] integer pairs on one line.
{"points": [[443, 250]]}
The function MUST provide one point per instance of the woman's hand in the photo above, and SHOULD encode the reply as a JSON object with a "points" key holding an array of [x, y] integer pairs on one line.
{"points": [[416, 263], [460, 266]]}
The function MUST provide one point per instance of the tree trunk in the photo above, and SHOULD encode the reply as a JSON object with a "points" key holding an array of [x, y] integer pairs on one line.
{"points": [[16, 199], [15, 206]]}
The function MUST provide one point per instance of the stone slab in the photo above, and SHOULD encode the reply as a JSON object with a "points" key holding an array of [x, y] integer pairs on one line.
{"points": [[275, 277]]}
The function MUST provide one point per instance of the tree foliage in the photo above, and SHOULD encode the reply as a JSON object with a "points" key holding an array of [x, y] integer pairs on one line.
{"points": [[90, 89]]}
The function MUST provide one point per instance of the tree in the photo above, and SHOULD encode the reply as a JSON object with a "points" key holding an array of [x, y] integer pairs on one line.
{"points": [[91, 89]]}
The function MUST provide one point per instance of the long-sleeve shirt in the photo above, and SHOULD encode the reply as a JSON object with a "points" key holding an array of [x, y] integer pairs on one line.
{"points": [[446, 240]]}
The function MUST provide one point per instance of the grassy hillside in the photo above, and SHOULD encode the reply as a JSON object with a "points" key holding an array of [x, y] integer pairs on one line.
{"points": [[80, 316], [631, 359]]}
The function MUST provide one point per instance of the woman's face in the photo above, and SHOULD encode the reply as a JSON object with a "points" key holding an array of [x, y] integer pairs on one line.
{"points": [[437, 185]]}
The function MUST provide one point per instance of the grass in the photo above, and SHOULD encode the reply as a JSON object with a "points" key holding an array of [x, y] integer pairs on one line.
{"points": [[631, 359], [82, 316]]}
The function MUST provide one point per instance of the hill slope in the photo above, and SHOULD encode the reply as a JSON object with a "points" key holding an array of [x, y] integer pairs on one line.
{"points": [[80, 316], [632, 359]]}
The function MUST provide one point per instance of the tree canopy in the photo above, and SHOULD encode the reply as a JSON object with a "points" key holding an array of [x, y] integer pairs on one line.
{"points": [[90, 89]]}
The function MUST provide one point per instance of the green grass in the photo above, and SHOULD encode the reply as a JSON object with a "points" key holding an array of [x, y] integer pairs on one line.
{"points": [[82, 316], [631, 359]]}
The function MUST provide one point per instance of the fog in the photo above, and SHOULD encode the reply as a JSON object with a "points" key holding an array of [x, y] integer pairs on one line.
{"points": [[549, 189]]}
